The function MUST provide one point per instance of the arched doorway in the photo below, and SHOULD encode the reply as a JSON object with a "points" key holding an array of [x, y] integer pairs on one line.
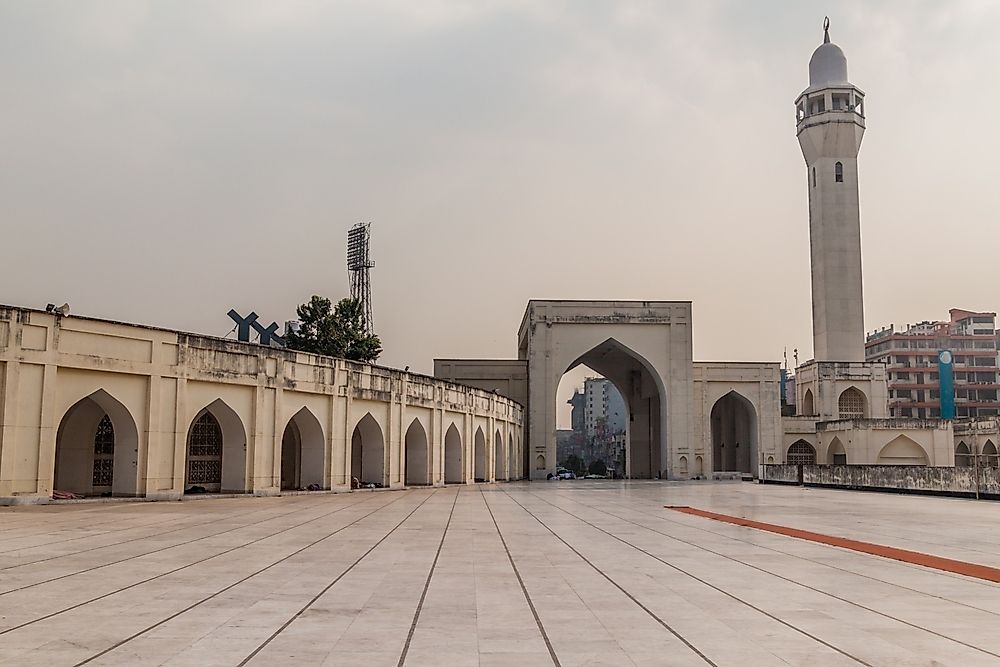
{"points": [[837, 455], [97, 448], [454, 466], [415, 444], [303, 453], [498, 458], [216, 451], [624, 411], [734, 434], [963, 457], [990, 458], [801, 453], [368, 453], [479, 457]]}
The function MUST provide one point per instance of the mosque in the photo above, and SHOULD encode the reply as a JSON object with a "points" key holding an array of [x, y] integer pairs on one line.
{"points": [[97, 407]]}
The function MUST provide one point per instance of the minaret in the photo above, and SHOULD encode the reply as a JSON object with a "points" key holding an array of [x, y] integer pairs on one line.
{"points": [[830, 122]]}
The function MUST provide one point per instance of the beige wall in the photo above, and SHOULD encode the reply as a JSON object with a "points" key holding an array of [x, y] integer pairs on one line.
{"points": [[154, 383], [758, 386], [889, 441]]}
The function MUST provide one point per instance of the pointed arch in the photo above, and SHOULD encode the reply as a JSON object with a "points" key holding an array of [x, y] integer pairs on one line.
{"points": [[801, 452], [902, 450], [852, 404], [479, 456], [454, 468], [511, 459], [808, 404], [734, 434], [97, 448], [498, 458], [368, 453], [963, 456], [645, 399], [415, 444], [303, 452], [836, 454], [216, 450], [990, 457]]}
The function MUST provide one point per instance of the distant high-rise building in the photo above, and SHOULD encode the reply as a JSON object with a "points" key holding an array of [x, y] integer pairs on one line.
{"points": [[911, 357]]}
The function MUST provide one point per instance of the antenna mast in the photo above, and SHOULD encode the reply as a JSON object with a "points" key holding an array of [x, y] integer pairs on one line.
{"points": [[358, 264]]}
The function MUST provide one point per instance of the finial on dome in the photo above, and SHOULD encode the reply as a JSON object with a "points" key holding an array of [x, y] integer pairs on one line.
{"points": [[826, 29]]}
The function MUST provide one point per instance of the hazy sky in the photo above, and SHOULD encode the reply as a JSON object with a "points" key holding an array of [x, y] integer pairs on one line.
{"points": [[164, 161]]}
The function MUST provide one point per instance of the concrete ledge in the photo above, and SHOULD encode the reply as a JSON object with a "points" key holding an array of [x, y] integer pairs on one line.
{"points": [[34, 499]]}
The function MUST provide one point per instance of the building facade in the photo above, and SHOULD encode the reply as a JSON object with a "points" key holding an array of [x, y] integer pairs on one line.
{"points": [[911, 360]]}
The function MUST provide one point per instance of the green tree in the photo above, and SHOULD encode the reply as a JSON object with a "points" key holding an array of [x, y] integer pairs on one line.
{"points": [[336, 331]]}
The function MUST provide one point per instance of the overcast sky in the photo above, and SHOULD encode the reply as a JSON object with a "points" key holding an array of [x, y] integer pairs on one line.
{"points": [[165, 161]]}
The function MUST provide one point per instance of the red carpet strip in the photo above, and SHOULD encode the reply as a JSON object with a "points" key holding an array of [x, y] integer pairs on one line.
{"points": [[914, 557]]}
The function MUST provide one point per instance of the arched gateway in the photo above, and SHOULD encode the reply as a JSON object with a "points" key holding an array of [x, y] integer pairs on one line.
{"points": [[643, 347]]}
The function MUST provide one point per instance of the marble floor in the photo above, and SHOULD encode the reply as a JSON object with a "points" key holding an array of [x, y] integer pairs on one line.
{"points": [[550, 573]]}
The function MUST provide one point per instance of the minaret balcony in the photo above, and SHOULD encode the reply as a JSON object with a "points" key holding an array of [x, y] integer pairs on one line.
{"points": [[825, 105]]}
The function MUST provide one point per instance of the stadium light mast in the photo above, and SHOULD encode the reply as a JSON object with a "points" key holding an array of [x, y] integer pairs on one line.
{"points": [[359, 263]]}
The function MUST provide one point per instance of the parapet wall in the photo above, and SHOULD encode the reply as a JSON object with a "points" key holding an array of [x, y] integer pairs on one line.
{"points": [[958, 481], [154, 383]]}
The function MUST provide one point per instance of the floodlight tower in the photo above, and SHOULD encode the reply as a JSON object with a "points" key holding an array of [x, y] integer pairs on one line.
{"points": [[358, 264]]}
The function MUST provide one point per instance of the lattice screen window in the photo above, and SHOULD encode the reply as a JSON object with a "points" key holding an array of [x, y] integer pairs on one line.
{"points": [[104, 454], [851, 404], [204, 464], [801, 453]]}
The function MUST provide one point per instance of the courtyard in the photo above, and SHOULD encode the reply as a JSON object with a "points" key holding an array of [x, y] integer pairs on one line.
{"points": [[567, 573]]}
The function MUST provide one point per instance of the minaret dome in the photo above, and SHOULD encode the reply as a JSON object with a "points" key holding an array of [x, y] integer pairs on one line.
{"points": [[828, 64]]}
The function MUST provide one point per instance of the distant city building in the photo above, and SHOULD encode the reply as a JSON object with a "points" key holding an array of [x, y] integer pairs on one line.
{"points": [[578, 418], [911, 358], [604, 407]]}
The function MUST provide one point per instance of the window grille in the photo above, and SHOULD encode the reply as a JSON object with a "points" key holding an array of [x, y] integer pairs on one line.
{"points": [[204, 465], [801, 453], [104, 455], [851, 404]]}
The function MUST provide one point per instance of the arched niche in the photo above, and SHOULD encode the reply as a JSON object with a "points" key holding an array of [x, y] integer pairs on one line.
{"points": [[368, 453], [303, 452], [216, 458], [97, 448], [454, 461], [415, 446]]}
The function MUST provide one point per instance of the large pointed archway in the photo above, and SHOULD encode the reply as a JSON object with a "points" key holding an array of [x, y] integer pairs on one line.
{"points": [[643, 438], [734, 434], [97, 448], [643, 347]]}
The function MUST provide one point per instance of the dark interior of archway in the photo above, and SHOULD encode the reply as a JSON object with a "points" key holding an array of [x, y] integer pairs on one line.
{"points": [[642, 398], [732, 435]]}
